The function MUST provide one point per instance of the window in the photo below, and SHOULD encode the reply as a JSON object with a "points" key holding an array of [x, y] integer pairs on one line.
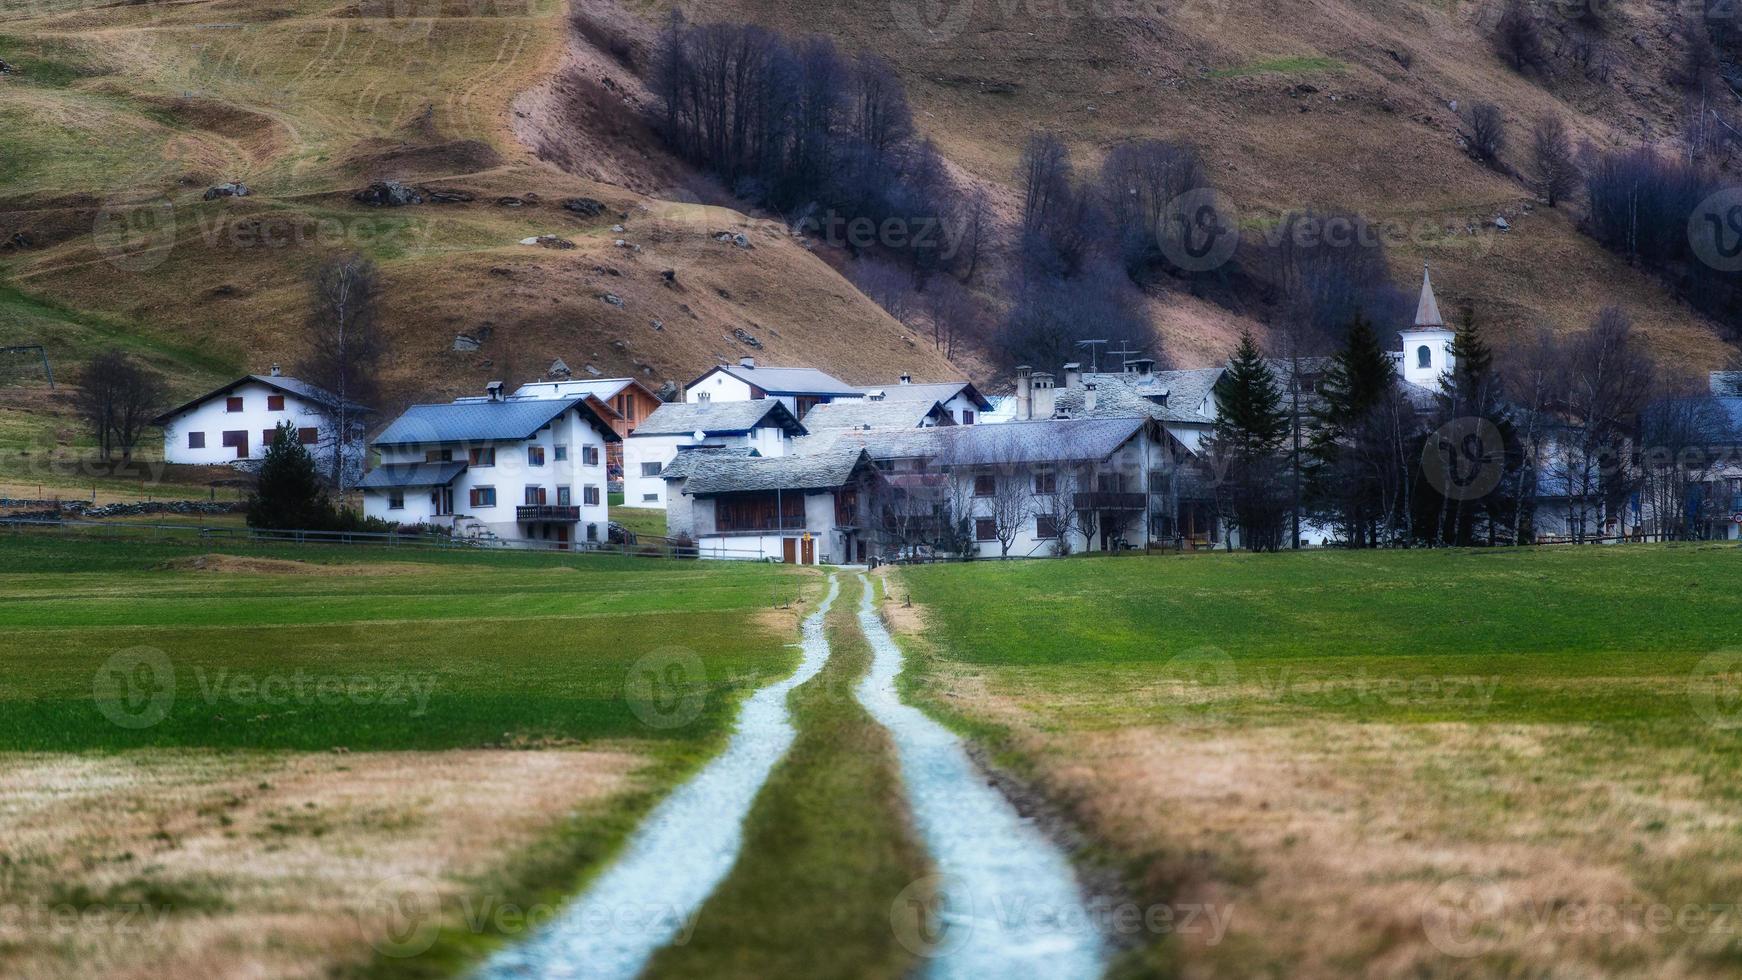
{"points": [[650, 498], [485, 456], [590, 496], [275, 403], [1424, 358], [268, 436], [967, 416], [438, 455], [396, 500], [534, 497], [196, 440], [535, 455], [563, 498], [592, 532], [237, 441], [985, 529], [1046, 526], [590, 455], [985, 485], [704, 396], [1046, 483], [560, 453], [233, 404], [652, 469], [483, 496], [308, 436]]}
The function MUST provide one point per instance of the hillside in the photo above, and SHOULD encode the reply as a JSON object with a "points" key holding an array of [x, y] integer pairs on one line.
{"points": [[1325, 103], [119, 118]]}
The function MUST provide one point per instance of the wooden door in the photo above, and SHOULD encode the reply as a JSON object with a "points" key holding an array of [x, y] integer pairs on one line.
{"points": [[788, 550], [562, 537], [810, 551]]}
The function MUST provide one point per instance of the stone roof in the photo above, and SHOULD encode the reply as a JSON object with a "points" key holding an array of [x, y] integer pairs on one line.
{"points": [[717, 418], [1014, 443], [683, 465], [859, 413], [786, 380], [941, 391], [1166, 396], [291, 386], [827, 470], [1427, 309], [1727, 384], [482, 420]]}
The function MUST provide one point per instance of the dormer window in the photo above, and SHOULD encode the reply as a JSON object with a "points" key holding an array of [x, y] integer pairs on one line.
{"points": [[1424, 358]]}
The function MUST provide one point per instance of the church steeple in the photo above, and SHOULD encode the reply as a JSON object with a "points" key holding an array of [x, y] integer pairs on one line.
{"points": [[1427, 310]]}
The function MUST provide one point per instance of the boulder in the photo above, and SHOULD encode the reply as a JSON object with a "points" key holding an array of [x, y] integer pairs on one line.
{"points": [[388, 194], [612, 298], [447, 195], [558, 370], [510, 202], [1502, 223], [548, 241], [465, 343], [586, 206], [234, 189]]}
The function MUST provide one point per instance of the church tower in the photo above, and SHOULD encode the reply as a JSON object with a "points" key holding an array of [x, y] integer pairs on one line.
{"points": [[1427, 346]]}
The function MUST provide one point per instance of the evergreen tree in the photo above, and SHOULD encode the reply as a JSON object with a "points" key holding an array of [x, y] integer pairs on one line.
{"points": [[1247, 446], [1464, 497], [1356, 456], [289, 494]]}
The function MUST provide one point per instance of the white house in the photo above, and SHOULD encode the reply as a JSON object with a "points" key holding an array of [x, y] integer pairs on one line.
{"points": [[514, 470], [810, 509], [238, 422], [765, 425], [797, 388], [964, 402]]}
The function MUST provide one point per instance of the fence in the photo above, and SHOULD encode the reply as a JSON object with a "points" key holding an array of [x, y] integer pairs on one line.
{"points": [[646, 546]]}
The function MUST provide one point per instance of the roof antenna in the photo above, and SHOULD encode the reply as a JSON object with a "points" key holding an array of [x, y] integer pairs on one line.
{"points": [[1094, 360]]}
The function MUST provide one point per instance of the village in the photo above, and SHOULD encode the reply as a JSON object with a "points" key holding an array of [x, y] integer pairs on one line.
{"points": [[791, 464]]}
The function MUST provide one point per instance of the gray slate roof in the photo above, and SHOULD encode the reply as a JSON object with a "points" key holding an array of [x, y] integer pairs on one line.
{"points": [[1120, 395], [1005, 443], [937, 392], [786, 380], [1727, 384], [862, 412], [290, 386], [477, 421], [717, 418], [684, 465], [826, 470], [405, 475]]}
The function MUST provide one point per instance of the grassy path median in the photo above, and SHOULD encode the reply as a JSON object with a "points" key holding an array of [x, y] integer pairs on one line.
{"points": [[828, 846]]}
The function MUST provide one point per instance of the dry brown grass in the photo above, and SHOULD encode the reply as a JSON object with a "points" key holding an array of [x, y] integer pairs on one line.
{"points": [[207, 865], [242, 565]]}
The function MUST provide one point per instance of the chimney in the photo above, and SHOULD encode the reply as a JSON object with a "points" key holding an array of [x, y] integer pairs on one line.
{"points": [[494, 391], [747, 362], [1024, 393], [1143, 367], [1044, 395], [1073, 374], [906, 378], [1088, 398], [275, 370]]}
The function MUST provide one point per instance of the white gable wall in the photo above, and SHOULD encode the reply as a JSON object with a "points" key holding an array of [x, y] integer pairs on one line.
{"points": [[212, 419]]}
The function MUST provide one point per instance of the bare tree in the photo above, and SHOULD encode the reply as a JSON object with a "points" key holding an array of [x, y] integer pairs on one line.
{"points": [[1535, 374], [975, 220], [117, 398], [1485, 132], [1611, 376], [1044, 174], [1552, 155], [1681, 436], [346, 349], [1518, 37]]}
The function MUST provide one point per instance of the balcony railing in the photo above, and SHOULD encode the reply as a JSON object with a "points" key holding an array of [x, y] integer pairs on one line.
{"points": [[547, 512], [1109, 500]]}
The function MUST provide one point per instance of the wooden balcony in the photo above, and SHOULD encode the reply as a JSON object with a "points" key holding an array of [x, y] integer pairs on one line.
{"points": [[1109, 500], [531, 513]]}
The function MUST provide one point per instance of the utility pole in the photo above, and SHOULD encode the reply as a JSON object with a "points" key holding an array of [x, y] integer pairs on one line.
{"points": [[1094, 359]]}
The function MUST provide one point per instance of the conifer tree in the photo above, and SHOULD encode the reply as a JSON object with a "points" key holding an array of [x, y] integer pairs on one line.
{"points": [[1247, 444], [1355, 456], [289, 494]]}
